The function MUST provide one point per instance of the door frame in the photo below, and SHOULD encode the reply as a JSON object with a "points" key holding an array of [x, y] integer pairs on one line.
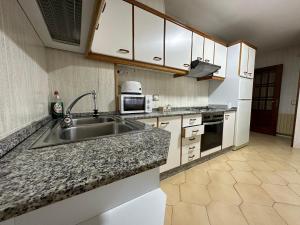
{"points": [[296, 111], [277, 92]]}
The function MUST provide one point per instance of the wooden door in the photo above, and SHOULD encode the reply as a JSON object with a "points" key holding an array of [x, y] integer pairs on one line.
{"points": [[265, 100], [178, 46], [148, 37]]}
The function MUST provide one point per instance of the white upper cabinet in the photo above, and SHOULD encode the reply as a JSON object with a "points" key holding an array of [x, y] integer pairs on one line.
{"points": [[220, 59], [114, 34], [247, 62], [148, 37], [198, 44], [209, 49], [178, 46], [251, 62]]}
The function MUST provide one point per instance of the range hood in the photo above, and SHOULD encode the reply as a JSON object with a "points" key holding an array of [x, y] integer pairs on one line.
{"points": [[202, 69]]}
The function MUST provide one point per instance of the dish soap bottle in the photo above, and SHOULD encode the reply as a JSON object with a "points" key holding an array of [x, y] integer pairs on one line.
{"points": [[57, 106]]}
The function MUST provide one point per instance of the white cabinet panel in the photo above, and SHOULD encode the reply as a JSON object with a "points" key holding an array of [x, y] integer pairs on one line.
{"points": [[228, 129], [151, 121], [191, 120], [114, 34], [193, 131], [220, 59], [198, 44], [178, 44], [148, 37], [242, 129], [209, 49], [173, 125], [245, 88], [244, 61], [251, 62]]}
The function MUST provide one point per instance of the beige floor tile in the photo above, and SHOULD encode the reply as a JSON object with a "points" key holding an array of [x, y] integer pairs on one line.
{"points": [[281, 194], [289, 213], [269, 177], [221, 158], [260, 165], [176, 179], [280, 165], [168, 215], [269, 156], [245, 177], [253, 194], [194, 193], [197, 176], [236, 156], [239, 165], [224, 193], [216, 165], [224, 214], [172, 192], [223, 177], [252, 156], [189, 214], [202, 166], [261, 215], [295, 188], [290, 177]]}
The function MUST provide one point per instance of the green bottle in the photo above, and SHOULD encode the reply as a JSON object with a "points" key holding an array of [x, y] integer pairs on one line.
{"points": [[57, 106]]}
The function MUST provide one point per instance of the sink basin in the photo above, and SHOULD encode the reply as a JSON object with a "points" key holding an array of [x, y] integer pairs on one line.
{"points": [[84, 129]]}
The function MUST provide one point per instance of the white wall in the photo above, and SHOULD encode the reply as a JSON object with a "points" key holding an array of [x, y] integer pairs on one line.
{"points": [[179, 92], [23, 76], [72, 75], [290, 58]]}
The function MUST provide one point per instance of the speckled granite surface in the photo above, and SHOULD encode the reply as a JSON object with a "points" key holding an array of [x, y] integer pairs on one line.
{"points": [[32, 178]]}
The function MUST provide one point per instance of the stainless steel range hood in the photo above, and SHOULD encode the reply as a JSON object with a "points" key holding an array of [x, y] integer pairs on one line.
{"points": [[202, 69]]}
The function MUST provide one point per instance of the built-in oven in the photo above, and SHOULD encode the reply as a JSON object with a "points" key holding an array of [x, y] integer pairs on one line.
{"points": [[133, 103], [211, 140]]}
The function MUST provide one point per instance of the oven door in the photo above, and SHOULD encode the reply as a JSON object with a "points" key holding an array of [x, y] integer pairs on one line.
{"points": [[212, 137], [132, 104]]}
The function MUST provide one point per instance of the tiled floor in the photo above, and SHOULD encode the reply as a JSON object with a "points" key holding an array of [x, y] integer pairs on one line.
{"points": [[256, 185]]}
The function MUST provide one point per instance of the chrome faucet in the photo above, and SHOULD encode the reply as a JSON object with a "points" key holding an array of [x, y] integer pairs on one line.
{"points": [[67, 121]]}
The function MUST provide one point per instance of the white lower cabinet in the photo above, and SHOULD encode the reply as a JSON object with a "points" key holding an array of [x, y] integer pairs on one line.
{"points": [[190, 149], [228, 129], [173, 125], [150, 121]]}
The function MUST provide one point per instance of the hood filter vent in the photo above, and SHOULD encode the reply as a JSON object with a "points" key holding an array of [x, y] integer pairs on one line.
{"points": [[63, 19]]}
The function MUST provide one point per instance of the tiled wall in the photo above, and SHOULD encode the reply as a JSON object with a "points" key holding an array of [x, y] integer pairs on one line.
{"points": [[23, 76], [72, 75], [178, 92]]}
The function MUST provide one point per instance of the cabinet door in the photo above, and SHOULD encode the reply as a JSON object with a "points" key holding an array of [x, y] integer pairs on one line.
{"points": [[251, 62], [220, 59], [114, 34], [178, 46], [151, 121], [173, 125], [198, 44], [148, 37], [244, 61], [209, 49], [228, 129]]}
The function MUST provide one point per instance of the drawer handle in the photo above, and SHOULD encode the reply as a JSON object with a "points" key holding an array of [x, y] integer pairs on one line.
{"points": [[250, 73], [186, 65], [245, 72], [191, 148], [192, 138], [164, 123], [195, 131], [123, 51], [104, 6], [191, 157], [157, 58]]}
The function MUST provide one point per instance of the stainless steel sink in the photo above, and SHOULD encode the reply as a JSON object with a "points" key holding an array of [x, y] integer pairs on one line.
{"points": [[84, 129]]}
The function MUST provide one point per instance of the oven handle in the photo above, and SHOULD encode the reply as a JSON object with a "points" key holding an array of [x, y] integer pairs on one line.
{"points": [[213, 123]]}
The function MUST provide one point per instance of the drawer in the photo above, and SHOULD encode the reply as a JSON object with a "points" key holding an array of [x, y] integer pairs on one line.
{"points": [[186, 149], [190, 156], [192, 131], [191, 120], [191, 140]]}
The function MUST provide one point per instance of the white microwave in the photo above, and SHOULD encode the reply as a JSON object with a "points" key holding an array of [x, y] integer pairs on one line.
{"points": [[130, 103]]}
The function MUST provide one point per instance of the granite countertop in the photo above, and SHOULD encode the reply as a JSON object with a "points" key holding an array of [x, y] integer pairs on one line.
{"points": [[33, 178], [175, 112]]}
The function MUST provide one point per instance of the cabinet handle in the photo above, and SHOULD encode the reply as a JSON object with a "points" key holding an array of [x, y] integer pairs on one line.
{"points": [[191, 157], [195, 131], [186, 65], [157, 58], [104, 6], [191, 139], [206, 60], [250, 73], [192, 120], [199, 58], [164, 123], [97, 27], [245, 72], [123, 51], [192, 147], [153, 125]]}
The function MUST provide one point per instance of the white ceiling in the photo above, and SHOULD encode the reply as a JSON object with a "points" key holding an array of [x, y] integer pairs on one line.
{"points": [[268, 24]]}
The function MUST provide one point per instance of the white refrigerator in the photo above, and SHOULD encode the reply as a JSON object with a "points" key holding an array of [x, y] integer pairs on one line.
{"points": [[244, 103]]}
